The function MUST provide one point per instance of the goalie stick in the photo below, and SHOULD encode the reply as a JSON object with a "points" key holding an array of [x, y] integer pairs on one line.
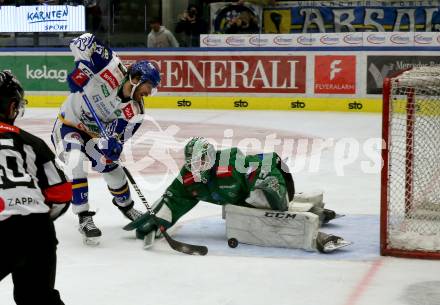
{"points": [[176, 245]]}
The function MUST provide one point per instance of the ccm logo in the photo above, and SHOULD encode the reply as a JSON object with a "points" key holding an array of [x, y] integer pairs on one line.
{"points": [[355, 106], [241, 104], [279, 215], [297, 104], [183, 103]]}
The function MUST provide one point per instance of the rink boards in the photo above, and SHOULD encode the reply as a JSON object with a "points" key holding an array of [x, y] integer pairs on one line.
{"points": [[343, 79], [240, 103]]}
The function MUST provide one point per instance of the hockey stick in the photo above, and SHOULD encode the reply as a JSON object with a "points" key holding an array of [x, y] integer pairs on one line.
{"points": [[176, 245]]}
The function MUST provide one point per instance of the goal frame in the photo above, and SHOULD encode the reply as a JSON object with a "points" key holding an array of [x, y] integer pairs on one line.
{"points": [[385, 248]]}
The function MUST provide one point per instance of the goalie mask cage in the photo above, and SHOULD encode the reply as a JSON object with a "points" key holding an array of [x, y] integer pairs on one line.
{"points": [[410, 183]]}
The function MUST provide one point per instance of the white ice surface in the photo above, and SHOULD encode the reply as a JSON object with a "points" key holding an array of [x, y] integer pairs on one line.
{"points": [[119, 272]]}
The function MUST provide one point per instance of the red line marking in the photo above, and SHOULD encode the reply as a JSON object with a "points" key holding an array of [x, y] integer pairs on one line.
{"points": [[364, 283]]}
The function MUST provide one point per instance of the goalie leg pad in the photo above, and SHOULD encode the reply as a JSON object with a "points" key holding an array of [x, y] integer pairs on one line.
{"points": [[297, 207], [315, 197], [325, 215], [272, 228]]}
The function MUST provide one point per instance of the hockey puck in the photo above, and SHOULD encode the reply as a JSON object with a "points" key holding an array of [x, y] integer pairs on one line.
{"points": [[232, 243]]}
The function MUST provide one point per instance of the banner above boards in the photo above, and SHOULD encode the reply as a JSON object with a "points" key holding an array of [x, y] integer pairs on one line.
{"points": [[350, 39], [351, 16], [42, 18]]}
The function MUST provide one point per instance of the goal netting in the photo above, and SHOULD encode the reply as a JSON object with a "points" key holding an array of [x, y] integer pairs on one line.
{"points": [[410, 212]]}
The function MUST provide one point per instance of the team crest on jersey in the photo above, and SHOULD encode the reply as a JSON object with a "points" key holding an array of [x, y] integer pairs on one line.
{"points": [[110, 79], [224, 171], [128, 111], [2, 205]]}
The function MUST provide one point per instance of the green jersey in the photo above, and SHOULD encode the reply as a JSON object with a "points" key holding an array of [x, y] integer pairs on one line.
{"points": [[231, 180]]}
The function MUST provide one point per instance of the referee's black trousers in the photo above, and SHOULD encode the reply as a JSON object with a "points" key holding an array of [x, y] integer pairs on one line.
{"points": [[28, 252]]}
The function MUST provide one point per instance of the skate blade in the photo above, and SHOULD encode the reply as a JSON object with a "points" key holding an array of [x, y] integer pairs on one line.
{"points": [[331, 246], [91, 241], [149, 240]]}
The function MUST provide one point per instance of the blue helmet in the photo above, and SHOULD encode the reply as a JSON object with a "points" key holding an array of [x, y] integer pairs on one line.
{"points": [[146, 71]]}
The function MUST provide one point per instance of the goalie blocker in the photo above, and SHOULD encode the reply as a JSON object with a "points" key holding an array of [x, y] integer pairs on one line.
{"points": [[298, 230]]}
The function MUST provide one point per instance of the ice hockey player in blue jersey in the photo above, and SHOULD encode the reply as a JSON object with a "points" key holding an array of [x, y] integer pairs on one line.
{"points": [[116, 94]]}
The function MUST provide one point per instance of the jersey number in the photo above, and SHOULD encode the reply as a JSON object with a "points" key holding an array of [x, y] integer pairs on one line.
{"points": [[12, 172]]}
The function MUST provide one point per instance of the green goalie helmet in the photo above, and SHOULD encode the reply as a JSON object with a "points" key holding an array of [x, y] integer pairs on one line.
{"points": [[199, 158]]}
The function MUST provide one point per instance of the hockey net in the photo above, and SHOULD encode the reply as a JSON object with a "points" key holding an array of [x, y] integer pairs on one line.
{"points": [[410, 196]]}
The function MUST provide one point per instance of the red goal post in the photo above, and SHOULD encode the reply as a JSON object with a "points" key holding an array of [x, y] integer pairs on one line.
{"points": [[410, 180]]}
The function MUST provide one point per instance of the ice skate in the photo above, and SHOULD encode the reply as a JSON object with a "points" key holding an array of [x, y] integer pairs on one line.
{"points": [[91, 234], [129, 211], [327, 243]]}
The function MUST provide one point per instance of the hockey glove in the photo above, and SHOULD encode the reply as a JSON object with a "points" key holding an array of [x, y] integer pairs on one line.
{"points": [[111, 148], [146, 224]]}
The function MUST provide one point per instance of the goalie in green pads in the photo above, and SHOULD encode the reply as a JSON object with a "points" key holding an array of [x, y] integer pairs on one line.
{"points": [[229, 177]]}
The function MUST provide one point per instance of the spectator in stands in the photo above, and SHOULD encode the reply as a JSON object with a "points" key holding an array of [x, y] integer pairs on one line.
{"points": [[94, 22], [160, 36], [191, 26], [244, 23], [93, 16]]}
